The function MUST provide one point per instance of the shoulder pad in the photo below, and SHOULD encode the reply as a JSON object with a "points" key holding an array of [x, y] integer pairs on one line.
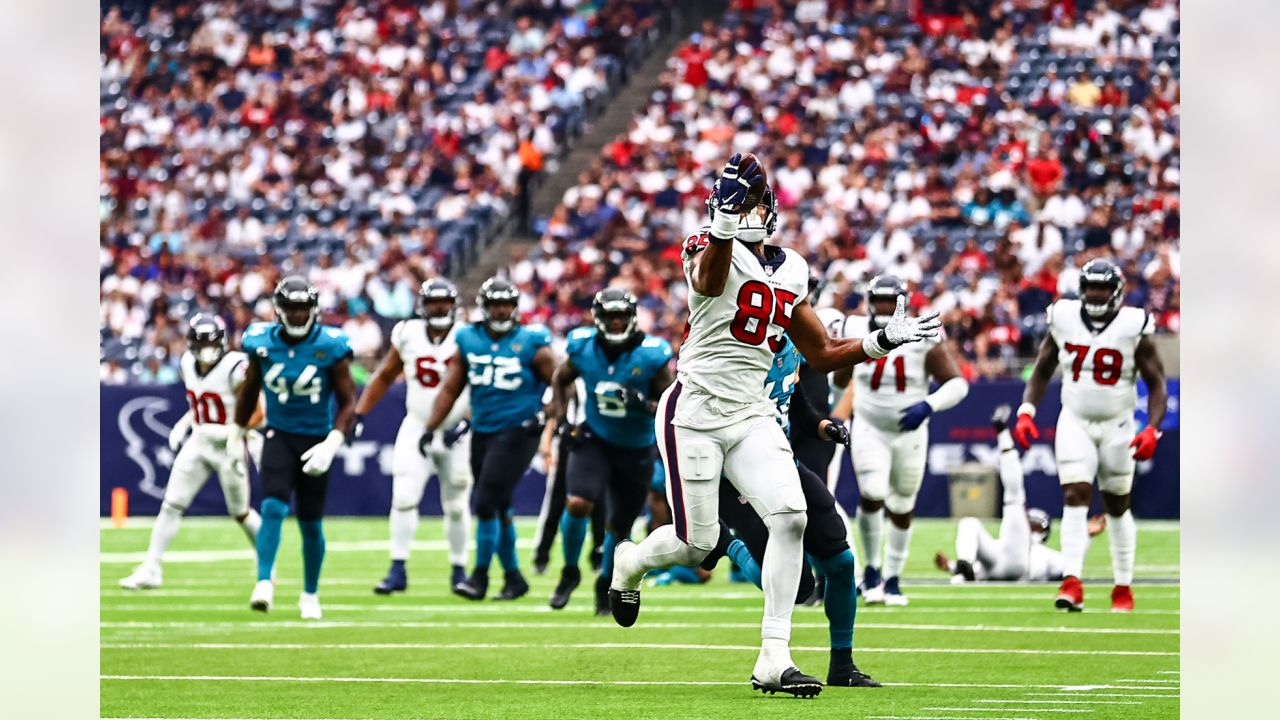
{"points": [[258, 329], [661, 349], [397, 334], [538, 334]]}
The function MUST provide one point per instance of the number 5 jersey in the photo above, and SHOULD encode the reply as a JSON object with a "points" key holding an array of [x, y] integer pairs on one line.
{"points": [[295, 377], [506, 392]]}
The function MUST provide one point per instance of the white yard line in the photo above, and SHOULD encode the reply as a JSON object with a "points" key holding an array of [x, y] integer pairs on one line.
{"points": [[975, 709], [1063, 702], [1145, 680], [1093, 694], [1168, 672], [939, 717], [600, 646]]}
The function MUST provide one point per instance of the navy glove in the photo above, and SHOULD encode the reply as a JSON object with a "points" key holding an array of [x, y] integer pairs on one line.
{"points": [[734, 183], [913, 416], [424, 442], [836, 432], [454, 434]]}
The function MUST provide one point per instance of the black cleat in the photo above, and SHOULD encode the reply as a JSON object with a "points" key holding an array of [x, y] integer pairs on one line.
{"points": [[514, 587], [397, 580], [964, 568], [849, 676], [540, 566], [570, 577], [792, 682], [624, 605], [474, 587], [1000, 418], [602, 596]]}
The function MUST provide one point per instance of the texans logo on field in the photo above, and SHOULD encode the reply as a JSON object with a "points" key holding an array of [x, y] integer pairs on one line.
{"points": [[146, 441]]}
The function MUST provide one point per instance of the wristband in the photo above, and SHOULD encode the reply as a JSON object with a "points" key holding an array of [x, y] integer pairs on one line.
{"points": [[1028, 409], [872, 346], [724, 226]]}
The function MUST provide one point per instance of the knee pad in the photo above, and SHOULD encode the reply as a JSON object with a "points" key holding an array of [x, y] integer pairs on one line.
{"points": [[274, 509], [454, 507], [788, 524], [900, 504], [1116, 484]]}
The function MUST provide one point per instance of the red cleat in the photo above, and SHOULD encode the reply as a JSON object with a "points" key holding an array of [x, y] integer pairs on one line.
{"points": [[1122, 599], [1070, 595]]}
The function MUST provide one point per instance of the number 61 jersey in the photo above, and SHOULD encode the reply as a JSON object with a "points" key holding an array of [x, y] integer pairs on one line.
{"points": [[733, 337], [295, 377], [1098, 371], [425, 363]]}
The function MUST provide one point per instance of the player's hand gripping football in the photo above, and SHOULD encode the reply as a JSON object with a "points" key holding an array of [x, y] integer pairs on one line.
{"points": [[903, 329], [734, 183], [1145, 443], [317, 459]]}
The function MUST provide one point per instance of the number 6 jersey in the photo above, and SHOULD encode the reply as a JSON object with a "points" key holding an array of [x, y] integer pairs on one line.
{"points": [[295, 377], [1098, 371], [425, 363], [733, 337]]}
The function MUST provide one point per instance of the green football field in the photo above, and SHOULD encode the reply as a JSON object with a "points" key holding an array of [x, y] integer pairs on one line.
{"points": [[193, 649]]}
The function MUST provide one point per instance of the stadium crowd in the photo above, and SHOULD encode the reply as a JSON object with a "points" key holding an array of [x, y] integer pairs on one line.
{"points": [[367, 143], [983, 159], [985, 166]]}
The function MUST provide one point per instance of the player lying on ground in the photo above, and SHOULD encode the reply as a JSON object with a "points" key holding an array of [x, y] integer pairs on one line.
{"points": [[211, 375], [1019, 552], [716, 419], [425, 346], [507, 366], [1103, 347], [611, 452], [303, 367]]}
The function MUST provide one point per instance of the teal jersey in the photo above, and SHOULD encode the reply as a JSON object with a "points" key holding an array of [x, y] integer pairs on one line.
{"points": [[295, 377], [781, 379], [506, 392], [608, 417]]}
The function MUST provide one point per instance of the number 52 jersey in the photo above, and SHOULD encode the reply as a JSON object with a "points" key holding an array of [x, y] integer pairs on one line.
{"points": [[295, 377], [505, 390], [1098, 371]]}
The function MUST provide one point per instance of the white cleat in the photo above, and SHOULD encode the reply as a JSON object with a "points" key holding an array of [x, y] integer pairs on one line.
{"points": [[873, 596], [263, 594], [309, 604], [145, 576], [895, 600]]}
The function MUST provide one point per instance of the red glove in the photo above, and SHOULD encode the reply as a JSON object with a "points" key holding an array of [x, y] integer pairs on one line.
{"points": [[1145, 442], [1025, 431]]}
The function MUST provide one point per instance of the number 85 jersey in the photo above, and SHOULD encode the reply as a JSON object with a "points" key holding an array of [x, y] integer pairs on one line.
{"points": [[425, 363], [1098, 371], [295, 377]]}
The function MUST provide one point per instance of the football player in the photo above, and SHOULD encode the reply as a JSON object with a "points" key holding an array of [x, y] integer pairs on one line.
{"points": [[303, 367], [421, 349], [554, 449], [611, 452], [211, 374], [1103, 347], [891, 409], [507, 366], [1019, 552], [717, 420]]}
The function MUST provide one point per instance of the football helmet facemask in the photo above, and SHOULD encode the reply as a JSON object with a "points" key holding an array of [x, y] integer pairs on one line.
{"points": [[1041, 524], [498, 290], [1107, 278], [610, 304], [293, 296], [207, 338], [431, 294]]}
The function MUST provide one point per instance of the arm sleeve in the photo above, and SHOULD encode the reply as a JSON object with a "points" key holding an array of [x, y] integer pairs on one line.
{"points": [[949, 394], [804, 418]]}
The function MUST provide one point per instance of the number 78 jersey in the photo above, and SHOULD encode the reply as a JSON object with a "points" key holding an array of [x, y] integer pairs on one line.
{"points": [[1098, 370], [295, 377]]}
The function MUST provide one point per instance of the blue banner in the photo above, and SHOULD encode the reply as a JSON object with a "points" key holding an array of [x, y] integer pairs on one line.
{"points": [[135, 424]]}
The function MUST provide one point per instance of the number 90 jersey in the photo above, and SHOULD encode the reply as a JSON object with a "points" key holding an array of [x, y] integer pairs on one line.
{"points": [[606, 415], [295, 377], [505, 390], [885, 387], [425, 363], [733, 337], [1098, 371], [212, 396]]}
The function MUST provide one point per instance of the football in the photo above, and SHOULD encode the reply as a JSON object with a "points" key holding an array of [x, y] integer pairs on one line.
{"points": [[756, 193]]}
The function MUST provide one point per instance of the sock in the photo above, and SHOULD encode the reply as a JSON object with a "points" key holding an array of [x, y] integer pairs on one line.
{"points": [[250, 524], [397, 566], [457, 528], [741, 557], [606, 548], [1075, 538], [871, 528], [895, 552], [312, 553], [1015, 492], [1124, 545], [404, 524], [274, 512], [487, 532], [841, 603], [507, 545], [659, 550], [573, 532], [684, 574], [163, 533], [780, 574]]}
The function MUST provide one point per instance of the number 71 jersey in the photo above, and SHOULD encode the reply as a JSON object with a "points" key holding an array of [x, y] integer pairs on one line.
{"points": [[885, 387], [425, 363], [1098, 371], [295, 377]]}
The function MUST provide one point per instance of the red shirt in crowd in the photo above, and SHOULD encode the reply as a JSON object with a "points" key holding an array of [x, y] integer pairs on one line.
{"points": [[1045, 175], [695, 59]]}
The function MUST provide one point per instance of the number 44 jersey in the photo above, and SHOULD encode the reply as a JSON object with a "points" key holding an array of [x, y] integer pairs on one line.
{"points": [[295, 377], [1098, 371], [506, 392], [425, 364], [733, 337]]}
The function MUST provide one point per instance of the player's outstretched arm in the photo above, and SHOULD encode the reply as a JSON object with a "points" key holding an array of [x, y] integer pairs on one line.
{"points": [[455, 379], [561, 381], [1152, 371], [710, 269], [824, 353], [951, 388], [388, 370], [1046, 362]]}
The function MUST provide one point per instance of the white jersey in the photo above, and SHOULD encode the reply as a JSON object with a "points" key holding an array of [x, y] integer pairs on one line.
{"points": [[425, 363], [212, 396], [730, 345], [1098, 371], [884, 388], [1043, 563]]}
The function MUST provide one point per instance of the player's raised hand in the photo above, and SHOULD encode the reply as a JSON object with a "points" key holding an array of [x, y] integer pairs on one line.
{"points": [[903, 329], [735, 181], [1145, 443]]}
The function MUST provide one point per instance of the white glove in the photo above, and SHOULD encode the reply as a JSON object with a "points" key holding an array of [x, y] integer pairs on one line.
{"points": [[235, 437], [901, 330], [317, 459], [255, 440], [179, 431]]}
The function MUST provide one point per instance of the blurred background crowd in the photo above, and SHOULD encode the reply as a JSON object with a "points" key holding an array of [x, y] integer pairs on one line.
{"points": [[983, 150]]}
